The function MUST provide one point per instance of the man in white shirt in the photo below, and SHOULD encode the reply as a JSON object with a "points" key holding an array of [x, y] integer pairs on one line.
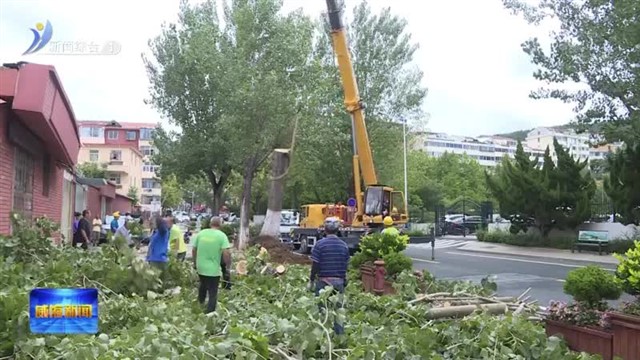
{"points": [[123, 231]]}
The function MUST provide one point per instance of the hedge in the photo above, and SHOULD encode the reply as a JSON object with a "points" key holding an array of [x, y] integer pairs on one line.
{"points": [[537, 240]]}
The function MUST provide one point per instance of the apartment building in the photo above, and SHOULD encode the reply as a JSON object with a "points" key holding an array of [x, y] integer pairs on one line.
{"points": [[151, 190], [116, 148], [132, 144], [487, 150], [578, 144]]}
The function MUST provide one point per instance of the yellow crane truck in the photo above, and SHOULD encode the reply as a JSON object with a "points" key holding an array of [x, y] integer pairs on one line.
{"points": [[367, 212]]}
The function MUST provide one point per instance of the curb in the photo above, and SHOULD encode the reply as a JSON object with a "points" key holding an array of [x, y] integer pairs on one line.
{"points": [[534, 256]]}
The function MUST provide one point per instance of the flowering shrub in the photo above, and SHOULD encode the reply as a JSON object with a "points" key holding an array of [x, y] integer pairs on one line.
{"points": [[577, 314]]}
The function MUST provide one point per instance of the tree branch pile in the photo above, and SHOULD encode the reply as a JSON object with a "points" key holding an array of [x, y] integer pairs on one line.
{"points": [[460, 304]]}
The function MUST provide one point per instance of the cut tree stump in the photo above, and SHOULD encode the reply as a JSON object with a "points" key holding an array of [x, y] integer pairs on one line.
{"points": [[279, 169]]}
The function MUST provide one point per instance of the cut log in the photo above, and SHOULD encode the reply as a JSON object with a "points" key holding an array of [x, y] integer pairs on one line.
{"points": [[279, 169], [241, 267], [270, 270], [464, 310]]}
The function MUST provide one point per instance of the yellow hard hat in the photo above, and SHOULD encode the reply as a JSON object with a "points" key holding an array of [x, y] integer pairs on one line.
{"points": [[388, 221], [116, 214]]}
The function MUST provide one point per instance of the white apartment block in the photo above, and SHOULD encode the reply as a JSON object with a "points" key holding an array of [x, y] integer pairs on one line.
{"points": [[578, 144], [489, 150]]}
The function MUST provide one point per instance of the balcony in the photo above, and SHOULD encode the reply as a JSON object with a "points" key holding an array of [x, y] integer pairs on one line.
{"points": [[117, 167], [151, 191]]}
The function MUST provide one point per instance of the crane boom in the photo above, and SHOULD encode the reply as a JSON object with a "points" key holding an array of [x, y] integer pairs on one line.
{"points": [[352, 101]]}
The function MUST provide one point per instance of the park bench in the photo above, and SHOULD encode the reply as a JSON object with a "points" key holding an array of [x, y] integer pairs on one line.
{"points": [[592, 239]]}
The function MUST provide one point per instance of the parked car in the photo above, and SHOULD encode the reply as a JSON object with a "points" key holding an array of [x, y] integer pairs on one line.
{"points": [[461, 224]]}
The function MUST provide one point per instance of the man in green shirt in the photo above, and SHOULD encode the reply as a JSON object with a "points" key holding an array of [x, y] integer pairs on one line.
{"points": [[209, 247], [176, 240]]}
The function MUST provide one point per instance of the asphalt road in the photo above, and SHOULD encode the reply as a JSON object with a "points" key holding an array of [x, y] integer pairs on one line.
{"points": [[514, 274]]}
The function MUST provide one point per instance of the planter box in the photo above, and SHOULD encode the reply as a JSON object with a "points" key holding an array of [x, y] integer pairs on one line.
{"points": [[626, 335], [368, 276], [590, 340]]}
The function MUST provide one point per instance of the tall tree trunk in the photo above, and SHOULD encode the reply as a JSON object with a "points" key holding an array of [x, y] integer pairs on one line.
{"points": [[217, 187], [245, 204], [279, 167], [217, 202]]}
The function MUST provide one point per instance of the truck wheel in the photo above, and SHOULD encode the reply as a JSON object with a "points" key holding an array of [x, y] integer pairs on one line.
{"points": [[304, 245]]}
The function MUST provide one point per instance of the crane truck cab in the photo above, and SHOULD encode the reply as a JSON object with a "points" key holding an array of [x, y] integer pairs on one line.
{"points": [[379, 201]]}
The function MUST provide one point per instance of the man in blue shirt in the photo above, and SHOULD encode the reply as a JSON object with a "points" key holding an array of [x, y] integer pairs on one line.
{"points": [[330, 258], [115, 224], [159, 246]]}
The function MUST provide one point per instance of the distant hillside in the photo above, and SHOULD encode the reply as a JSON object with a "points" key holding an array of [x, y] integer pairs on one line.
{"points": [[522, 134]]}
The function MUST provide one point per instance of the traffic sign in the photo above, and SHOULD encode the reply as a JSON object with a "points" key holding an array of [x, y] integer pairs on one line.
{"points": [[351, 202]]}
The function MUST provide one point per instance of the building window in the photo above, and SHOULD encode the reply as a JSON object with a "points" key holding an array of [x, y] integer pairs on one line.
{"points": [[112, 134], [147, 150], [94, 155], [131, 135], [23, 183], [115, 178], [146, 134], [147, 167], [148, 183], [116, 155], [91, 132]]}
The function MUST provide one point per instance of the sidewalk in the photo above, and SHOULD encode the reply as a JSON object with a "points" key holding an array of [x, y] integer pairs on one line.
{"points": [[492, 248]]}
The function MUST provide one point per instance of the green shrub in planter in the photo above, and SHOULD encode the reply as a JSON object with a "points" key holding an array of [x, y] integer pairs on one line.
{"points": [[396, 263], [628, 272], [591, 285]]}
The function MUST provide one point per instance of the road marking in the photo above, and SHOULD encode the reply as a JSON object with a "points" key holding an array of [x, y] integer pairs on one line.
{"points": [[561, 280], [439, 244], [522, 260], [423, 260]]}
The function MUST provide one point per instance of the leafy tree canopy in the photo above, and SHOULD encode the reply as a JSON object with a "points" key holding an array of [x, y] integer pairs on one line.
{"points": [[171, 192], [598, 47], [93, 170], [390, 86]]}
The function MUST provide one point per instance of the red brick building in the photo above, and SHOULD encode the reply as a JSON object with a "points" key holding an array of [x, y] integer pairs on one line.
{"points": [[39, 145]]}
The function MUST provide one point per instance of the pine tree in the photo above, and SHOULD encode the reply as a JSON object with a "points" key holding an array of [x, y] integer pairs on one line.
{"points": [[573, 189], [623, 183], [547, 196]]}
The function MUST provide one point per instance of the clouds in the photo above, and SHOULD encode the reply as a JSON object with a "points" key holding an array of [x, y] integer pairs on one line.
{"points": [[477, 75]]}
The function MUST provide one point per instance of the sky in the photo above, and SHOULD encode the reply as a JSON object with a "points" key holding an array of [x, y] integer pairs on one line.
{"points": [[476, 73]]}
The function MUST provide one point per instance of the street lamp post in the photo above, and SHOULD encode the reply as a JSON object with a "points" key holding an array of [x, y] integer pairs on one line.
{"points": [[406, 189]]}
